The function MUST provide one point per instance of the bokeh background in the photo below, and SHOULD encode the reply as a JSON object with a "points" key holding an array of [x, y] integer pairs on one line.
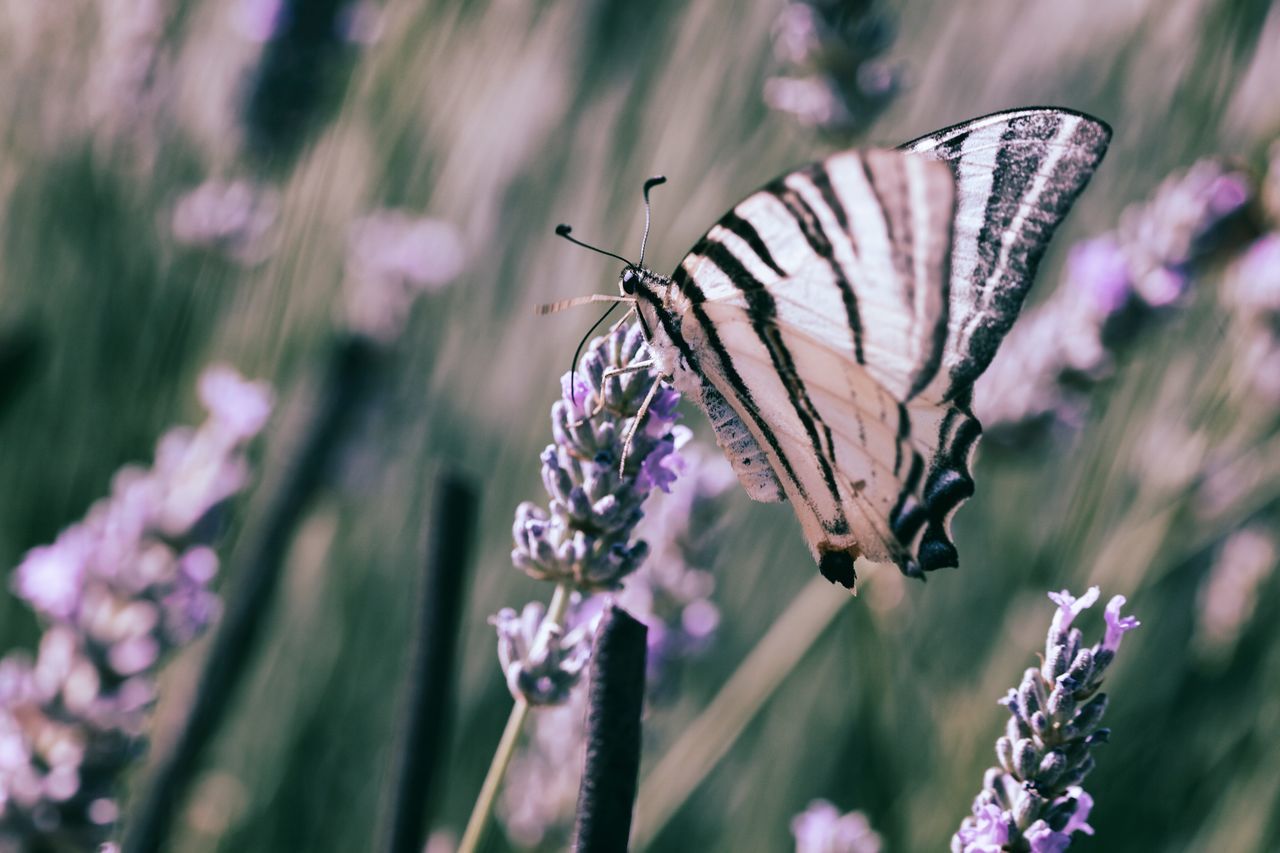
{"points": [[495, 121]]}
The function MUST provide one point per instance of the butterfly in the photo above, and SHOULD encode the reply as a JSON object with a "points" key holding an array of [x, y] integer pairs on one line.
{"points": [[831, 325]]}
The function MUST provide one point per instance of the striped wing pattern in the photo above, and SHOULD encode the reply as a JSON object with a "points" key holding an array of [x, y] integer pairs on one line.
{"points": [[1017, 175], [832, 325]]}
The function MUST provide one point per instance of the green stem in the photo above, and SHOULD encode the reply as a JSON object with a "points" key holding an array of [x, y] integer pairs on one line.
{"points": [[683, 767], [559, 604], [479, 820]]}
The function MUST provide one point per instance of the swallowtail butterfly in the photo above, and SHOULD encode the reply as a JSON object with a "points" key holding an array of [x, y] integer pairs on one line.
{"points": [[832, 324]]}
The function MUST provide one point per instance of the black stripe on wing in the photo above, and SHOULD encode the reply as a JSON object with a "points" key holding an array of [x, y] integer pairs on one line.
{"points": [[762, 311], [920, 520], [811, 228], [682, 280]]}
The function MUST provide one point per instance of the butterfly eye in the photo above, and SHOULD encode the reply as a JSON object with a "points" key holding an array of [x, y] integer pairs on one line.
{"points": [[629, 282]]}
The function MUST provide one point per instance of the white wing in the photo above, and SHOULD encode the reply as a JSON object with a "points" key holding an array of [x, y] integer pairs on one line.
{"points": [[1017, 175], [834, 322], [817, 311]]}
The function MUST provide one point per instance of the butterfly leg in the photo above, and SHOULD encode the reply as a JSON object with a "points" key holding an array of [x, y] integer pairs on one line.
{"points": [[625, 317], [634, 367], [635, 424]]}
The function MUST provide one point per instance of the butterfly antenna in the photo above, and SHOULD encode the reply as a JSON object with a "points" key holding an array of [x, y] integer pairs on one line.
{"points": [[563, 231], [656, 180], [573, 366]]}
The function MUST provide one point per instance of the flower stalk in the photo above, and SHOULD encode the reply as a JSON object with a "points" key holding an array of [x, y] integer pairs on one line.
{"points": [[1033, 800], [610, 451]]}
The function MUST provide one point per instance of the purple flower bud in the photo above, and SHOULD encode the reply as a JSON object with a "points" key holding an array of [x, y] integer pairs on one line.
{"points": [[1117, 625], [1079, 820], [659, 468], [1227, 194], [821, 828], [577, 395], [1069, 607], [1025, 759], [1044, 840], [239, 407], [1026, 806], [1004, 753], [986, 831]]}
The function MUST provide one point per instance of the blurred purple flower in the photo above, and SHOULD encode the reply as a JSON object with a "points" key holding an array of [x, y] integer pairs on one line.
{"points": [[658, 470], [1229, 594], [393, 257], [833, 79], [233, 217], [671, 592], [117, 591], [1099, 267], [1227, 194], [538, 801], [662, 413], [1116, 285], [1251, 292], [50, 577], [237, 405], [259, 20], [395, 245], [821, 828]]}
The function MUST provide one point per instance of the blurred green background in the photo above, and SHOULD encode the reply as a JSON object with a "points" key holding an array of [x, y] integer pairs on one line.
{"points": [[505, 118]]}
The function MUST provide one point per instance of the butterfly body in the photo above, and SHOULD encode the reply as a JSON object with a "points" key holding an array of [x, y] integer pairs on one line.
{"points": [[832, 323]]}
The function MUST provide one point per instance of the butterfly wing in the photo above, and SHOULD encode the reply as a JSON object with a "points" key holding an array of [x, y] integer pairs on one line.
{"points": [[843, 312], [817, 310], [1017, 174]]}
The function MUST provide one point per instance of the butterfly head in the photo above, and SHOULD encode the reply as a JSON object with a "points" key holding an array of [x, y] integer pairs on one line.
{"points": [[627, 281]]}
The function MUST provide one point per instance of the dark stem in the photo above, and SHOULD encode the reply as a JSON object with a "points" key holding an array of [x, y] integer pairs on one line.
{"points": [[422, 745], [607, 795], [348, 374]]}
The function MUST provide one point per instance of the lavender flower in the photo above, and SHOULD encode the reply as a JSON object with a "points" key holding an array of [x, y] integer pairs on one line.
{"points": [[822, 829], [129, 79], [1115, 286], [392, 258], [1229, 593], [1251, 293], [834, 79], [233, 217], [1270, 194], [117, 591], [671, 595], [671, 591], [542, 663], [584, 537], [1033, 800]]}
